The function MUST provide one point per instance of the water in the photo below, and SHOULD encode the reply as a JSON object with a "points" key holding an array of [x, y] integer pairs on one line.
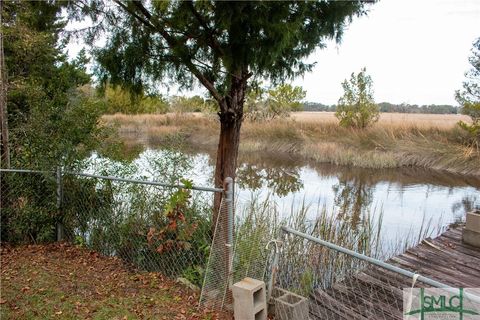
{"points": [[403, 200]]}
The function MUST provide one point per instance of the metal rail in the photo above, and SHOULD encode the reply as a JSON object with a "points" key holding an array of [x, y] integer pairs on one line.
{"points": [[379, 263], [153, 183], [371, 260], [25, 171]]}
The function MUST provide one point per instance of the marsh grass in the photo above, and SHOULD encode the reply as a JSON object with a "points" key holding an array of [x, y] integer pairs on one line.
{"points": [[301, 261], [430, 141], [305, 265]]}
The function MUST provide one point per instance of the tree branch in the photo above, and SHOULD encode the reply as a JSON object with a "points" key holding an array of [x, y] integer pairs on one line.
{"points": [[172, 43], [124, 7], [213, 42]]}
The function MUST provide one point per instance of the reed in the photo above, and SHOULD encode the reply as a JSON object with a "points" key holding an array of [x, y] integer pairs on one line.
{"points": [[430, 141], [303, 264]]}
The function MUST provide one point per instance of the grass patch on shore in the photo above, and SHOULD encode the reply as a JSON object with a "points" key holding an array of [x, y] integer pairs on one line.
{"points": [[395, 141]]}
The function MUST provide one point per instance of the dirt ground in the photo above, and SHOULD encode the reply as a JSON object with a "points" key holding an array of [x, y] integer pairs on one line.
{"points": [[60, 281]]}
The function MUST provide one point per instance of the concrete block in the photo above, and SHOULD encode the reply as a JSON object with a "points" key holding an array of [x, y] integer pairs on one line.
{"points": [[471, 237], [473, 221], [249, 300], [276, 293], [291, 306]]}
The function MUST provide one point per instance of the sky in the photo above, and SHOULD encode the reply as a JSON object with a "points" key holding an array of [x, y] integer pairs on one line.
{"points": [[415, 51]]}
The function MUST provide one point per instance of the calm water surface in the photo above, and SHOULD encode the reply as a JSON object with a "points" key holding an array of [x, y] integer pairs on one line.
{"points": [[401, 199]]}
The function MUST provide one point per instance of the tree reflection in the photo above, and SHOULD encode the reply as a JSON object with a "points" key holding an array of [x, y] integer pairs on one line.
{"points": [[353, 197], [280, 180]]}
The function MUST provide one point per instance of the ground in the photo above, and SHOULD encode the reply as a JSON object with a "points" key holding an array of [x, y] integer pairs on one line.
{"points": [[61, 281]]}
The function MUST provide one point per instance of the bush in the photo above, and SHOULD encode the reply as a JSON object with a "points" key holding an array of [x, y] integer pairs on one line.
{"points": [[278, 102], [356, 108], [469, 98], [120, 100]]}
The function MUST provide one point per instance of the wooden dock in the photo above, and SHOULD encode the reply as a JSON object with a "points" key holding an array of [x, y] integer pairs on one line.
{"points": [[376, 293]]}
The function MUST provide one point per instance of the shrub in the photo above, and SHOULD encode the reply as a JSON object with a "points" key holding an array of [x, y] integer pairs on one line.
{"points": [[356, 108], [469, 98]]}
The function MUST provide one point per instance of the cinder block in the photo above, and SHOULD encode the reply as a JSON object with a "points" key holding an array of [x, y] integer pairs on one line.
{"points": [[471, 237], [249, 300], [276, 293], [472, 222], [291, 306]]}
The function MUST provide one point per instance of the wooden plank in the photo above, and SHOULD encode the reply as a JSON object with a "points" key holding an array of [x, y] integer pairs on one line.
{"points": [[377, 293], [335, 306], [438, 274], [457, 246], [473, 262], [387, 300], [447, 258]]}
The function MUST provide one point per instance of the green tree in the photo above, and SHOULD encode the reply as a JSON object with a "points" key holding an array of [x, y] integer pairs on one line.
{"points": [[44, 103], [469, 97], [117, 99], [262, 104], [357, 108], [285, 98], [223, 45], [183, 104], [52, 121]]}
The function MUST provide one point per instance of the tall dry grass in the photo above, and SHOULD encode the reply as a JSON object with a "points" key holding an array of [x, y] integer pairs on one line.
{"points": [[422, 140]]}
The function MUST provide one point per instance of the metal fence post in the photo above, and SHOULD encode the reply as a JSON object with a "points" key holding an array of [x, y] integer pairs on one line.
{"points": [[230, 203], [271, 282], [59, 195]]}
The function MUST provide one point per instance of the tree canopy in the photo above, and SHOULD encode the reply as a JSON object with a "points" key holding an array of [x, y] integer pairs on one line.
{"points": [[223, 45], [43, 102], [213, 42], [266, 104]]}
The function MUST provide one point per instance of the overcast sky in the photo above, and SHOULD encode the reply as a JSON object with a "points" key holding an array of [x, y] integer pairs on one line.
{"points": [[415, 51]]}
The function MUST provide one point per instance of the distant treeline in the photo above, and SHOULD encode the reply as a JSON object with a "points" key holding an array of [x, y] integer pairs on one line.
{"points": [[390, 107]]}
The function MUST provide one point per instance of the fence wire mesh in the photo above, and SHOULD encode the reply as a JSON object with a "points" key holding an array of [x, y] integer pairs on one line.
{"points": [[215, 290], [169, 230], [253, 231], [316, 282], [150, 227]]}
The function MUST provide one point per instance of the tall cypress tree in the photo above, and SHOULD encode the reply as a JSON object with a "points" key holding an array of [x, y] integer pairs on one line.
{"points": [[222, 45]]}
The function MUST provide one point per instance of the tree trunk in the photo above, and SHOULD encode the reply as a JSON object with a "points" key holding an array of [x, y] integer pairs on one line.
{"points": [[227, 153], [231, 116]]}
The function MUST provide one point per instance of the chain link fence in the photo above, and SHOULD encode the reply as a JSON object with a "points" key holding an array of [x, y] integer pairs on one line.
{"points": [[327, 281], [247, 254], [150, 225], [167, 228]]}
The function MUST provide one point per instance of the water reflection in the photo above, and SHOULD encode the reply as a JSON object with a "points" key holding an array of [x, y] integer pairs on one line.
{"points": [[281, 181], [405, 197], [353, 197]]}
